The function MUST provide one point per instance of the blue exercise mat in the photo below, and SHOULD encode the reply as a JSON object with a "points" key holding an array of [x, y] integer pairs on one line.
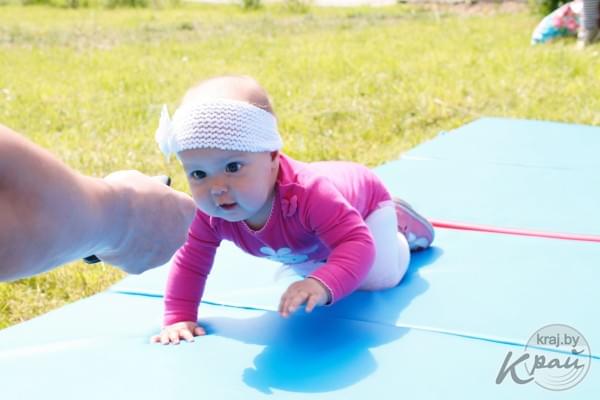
{"points": [[98, 348], [505, 196], [529, 175], [515, 284], [515, 142], [444, 332]]}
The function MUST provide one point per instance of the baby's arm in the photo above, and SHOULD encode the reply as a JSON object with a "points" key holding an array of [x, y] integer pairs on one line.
{"points": [[185, 285], [339, 226]]}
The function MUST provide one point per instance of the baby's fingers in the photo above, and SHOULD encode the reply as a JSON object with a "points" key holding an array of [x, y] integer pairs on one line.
{"points": [[163, 338], [155, 339], [199, 331], [187, 335], [282, 303], [312, 302], [172, 337], [296, 300]]}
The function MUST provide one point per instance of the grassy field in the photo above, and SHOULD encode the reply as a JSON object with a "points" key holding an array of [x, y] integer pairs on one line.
{"points": [[358, 84]]}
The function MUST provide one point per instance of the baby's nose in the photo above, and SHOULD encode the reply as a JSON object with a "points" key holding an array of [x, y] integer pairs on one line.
{"points": [[218, 190]]}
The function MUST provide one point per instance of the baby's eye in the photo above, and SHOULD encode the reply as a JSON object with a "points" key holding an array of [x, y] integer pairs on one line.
{"points": [[197, 174], [233, 167]]}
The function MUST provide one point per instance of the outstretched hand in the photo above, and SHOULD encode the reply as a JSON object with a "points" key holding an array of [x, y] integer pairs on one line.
{"points": [[308, 291], [154, 224], [174, 333]]}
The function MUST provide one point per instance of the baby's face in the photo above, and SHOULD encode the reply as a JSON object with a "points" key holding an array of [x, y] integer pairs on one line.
{"points": [[231, 185]]}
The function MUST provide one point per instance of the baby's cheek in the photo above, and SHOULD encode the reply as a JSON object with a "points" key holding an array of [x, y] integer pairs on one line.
{"points": [[259, 197], [251, 190], [201, 200]]}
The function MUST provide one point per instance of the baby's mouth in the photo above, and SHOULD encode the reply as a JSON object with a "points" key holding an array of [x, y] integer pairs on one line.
{"points": [[227, 206]]}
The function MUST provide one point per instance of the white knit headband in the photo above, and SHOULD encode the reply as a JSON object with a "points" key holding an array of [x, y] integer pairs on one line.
{"points": [[220, 124]]}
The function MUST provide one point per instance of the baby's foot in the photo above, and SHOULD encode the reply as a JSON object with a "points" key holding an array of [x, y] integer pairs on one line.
{"points": [[417, 230]]}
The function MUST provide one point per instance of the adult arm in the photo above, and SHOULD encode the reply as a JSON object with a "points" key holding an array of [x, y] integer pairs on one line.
{"points": [[51, 214]]}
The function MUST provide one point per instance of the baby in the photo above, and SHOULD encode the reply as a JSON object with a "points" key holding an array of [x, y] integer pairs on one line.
{"points": [[333, 222]]}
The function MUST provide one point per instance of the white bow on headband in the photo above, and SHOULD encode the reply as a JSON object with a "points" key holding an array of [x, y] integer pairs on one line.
{"points": [[165, 136]]}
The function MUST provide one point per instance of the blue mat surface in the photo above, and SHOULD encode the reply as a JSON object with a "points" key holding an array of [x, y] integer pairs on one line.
{"points": [[442, 333], [515, 285], [91, 350], [505, 196], [529, 175], [515, 142]]}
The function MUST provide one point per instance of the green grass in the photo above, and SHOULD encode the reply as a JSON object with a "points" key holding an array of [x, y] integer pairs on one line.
{"points": [[358, 84]]}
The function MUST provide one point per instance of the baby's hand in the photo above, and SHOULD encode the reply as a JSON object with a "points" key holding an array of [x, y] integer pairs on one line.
{"points": [[179, 330], [309, 291]]}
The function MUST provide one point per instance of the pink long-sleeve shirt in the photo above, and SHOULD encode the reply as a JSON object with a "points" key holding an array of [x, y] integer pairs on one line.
{"points": [[318, 213]]}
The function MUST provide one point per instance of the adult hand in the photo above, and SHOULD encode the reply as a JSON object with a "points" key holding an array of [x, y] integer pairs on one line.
{"points": [[185, 330], [57, 215], [308, 291], [155, 221]]}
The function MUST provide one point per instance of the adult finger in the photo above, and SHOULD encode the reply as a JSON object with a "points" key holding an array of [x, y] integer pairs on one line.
{"points": [[187, 206]]}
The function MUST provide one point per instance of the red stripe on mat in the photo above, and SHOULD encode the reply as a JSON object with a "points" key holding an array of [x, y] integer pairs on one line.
{"points": [[508, 231]]}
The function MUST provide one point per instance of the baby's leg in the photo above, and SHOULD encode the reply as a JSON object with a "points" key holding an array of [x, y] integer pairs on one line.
{"points": [[392, 253]]}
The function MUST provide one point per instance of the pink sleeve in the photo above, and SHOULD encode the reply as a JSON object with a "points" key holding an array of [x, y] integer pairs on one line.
{"points": [[190, 267], [341, 228]]}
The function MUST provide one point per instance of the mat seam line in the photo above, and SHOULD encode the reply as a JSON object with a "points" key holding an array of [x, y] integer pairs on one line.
{"points": [[408, 326]]}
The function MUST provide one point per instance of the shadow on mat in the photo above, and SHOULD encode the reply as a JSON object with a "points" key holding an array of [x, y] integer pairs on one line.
{"points": [[328, 350]]}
